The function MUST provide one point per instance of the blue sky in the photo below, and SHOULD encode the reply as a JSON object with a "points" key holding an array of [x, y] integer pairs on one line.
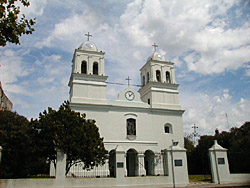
{"points": [[209, 42]]}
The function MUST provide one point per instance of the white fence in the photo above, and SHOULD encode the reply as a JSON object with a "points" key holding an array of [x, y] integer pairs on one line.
{"points": [[77, 171]]}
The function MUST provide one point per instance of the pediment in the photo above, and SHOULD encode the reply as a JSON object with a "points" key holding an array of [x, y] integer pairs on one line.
{"points": [[129, 97]]}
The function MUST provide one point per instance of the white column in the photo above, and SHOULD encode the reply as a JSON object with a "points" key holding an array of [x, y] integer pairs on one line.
{"points": [[141, 170], [120, 172], [101, 71], [163, 76], [172, 76], [89, 66], [77, 64], [60, 165], [158, 164], [152, 74], [125, 164], [165, 163]]}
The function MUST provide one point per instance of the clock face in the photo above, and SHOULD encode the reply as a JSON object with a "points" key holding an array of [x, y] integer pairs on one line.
{"points": [[130, 95]]}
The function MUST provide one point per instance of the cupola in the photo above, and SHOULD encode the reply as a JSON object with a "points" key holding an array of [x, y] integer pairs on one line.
{"points": [[88, 46], [156, 56]]}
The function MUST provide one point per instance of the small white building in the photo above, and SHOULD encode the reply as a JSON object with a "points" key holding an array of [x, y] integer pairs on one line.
{"points": [[146, 124]]}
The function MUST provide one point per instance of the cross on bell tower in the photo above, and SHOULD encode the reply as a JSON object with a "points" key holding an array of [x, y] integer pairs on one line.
{"points": [[155, 46], [128, 79], [88, 35]]}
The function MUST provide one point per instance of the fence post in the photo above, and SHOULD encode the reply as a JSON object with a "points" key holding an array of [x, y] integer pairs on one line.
{"points": [[60, 165], [52, 170]]}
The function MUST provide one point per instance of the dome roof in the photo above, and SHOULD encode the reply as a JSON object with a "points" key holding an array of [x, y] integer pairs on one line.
{"points": [[88, 46], [156, 56]]}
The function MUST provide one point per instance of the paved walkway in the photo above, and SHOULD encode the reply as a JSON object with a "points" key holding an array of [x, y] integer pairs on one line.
{"points": [[192, 184]]}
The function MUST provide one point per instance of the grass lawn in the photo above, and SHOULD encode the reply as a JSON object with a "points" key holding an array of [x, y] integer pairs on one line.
{"points": [[206, 177]]}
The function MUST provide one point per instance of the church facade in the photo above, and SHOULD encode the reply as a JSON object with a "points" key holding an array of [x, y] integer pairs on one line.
{"points": [[143, 129]]}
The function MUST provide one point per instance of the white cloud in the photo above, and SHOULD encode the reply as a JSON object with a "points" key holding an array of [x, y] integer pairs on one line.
{"points": [[35, 9], [248, 72], [183, 26], [196, 35], [12, 66], [209, 111], [71, 30]]}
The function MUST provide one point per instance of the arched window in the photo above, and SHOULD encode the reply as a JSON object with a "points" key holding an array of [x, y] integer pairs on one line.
{"points": [[168, 80], [131, 126], [158, 75], [95, 68], [168, 128], [147, 77], [84, 67], [143, 81]]}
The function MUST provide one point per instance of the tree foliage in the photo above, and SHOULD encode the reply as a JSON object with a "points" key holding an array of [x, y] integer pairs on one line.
{"points": [[28, 147], [71, 133], [16, 143], [11, 27], [237, 141]]}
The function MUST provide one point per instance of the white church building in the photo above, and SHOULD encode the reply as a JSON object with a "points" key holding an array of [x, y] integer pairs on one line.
{"points": [[142, 130]]}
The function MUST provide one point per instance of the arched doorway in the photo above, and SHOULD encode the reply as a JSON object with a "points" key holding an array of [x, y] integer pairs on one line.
{"points": [[112, 163], [132, 162], [149, 163]]}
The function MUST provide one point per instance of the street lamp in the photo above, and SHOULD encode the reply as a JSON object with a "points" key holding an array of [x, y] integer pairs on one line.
{"points": [[0, 153], [174, 143]]}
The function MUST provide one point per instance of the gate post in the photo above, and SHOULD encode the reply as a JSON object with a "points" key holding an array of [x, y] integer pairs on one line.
{"points": [[177, 165], [120, 163], [219, 164], [60, 165]]}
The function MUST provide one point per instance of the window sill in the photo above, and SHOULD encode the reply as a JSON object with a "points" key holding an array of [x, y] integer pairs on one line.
{"points": [[131, 137]]}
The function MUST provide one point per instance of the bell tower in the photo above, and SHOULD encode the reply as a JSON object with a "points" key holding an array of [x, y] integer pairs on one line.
{"points": [[88, 81], [159, 88]]}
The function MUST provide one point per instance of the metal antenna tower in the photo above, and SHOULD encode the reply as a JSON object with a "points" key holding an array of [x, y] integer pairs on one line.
{"points": [[227, 121], [195, 133]]}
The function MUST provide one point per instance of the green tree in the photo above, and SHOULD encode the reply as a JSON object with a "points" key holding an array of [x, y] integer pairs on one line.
{"points": [[236, 141], [70, 132], [16, 143], [199, 156], [189, 145], [11, 27], [238, 151]]}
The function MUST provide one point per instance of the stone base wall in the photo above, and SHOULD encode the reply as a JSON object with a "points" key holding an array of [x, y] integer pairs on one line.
{"points": [[239, 178], [88, 182]]}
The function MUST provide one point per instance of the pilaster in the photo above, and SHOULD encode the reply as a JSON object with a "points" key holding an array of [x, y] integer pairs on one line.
{"points": [[141, 170], [158, 161]]}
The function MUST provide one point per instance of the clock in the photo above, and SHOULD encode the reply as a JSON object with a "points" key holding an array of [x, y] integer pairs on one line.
{"points": [[130, 95]]}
